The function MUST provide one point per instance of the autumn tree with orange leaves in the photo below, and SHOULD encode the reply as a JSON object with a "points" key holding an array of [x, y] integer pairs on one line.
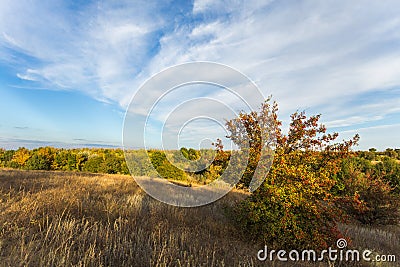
{"points": [[294, 207]]}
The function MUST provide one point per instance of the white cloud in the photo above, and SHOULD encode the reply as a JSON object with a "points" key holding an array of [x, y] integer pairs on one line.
{"points": [[307, 54], [349, 121], [30, 75], [304, 53]]}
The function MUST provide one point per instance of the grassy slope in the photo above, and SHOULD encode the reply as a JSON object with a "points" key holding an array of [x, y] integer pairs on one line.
{"points": [[64, 219]]}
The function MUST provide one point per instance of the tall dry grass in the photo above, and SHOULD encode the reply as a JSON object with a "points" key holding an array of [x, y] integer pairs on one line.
{"points": [[76, 219], [73, 219]]}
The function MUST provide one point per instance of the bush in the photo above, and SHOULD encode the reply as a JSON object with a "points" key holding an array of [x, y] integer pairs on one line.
{"points": [[139, 163], [293, 208], [93, 164], [38, 162], [169, 171], [389, 170], [65, 160], [305, 224], [184, 152], [348, 168], [157, 158], [193, 154], [113, 165], [364, 194], [164, 167]]}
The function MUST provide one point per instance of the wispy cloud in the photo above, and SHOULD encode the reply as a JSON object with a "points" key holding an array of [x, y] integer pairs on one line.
{"points": [[21, 127], [98, 49]]}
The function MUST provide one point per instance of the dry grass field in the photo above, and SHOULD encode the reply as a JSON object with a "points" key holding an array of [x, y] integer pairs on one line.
{"points": [[76, 219]]}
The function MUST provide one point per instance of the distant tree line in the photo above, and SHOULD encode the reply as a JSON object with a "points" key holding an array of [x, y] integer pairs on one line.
{"points": [[382, 164], [112, 161], [49, 158]]}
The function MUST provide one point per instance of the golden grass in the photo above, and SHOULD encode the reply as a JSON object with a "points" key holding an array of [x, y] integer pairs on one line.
{"points": [[76, 219]]}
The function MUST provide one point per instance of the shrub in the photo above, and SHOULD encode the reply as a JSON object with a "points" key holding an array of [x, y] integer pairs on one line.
{"points": [[41, 159], [364, 194], [169, 171], [193, 154], [7, 158], [65, 160], [184, 152], [38, 162], [389, 170], [139, 163], [93, 164], [164, 167], [157, 158], [113, 165]]}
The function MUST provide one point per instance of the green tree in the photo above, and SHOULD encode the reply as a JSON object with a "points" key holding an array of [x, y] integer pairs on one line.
{"points": [[391, 153], [65, 160], [398, 153], [139, 163], [81, 159], [389, 170], [41, 159], [164, 167], [367, 198], [367, 155], [158, 158], [93, 164], [185, 152], [111, 164], [193, 154], [2, 157], [7, 159]]}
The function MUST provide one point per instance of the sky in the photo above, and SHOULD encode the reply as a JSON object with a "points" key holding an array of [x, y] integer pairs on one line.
{"points": [[69, 69]]}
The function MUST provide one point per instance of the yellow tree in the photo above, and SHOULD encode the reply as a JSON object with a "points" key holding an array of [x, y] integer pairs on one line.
{"points": [[21, 156]]}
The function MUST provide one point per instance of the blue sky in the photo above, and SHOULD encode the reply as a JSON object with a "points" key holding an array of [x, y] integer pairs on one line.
{"points": [[68, 71]]}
